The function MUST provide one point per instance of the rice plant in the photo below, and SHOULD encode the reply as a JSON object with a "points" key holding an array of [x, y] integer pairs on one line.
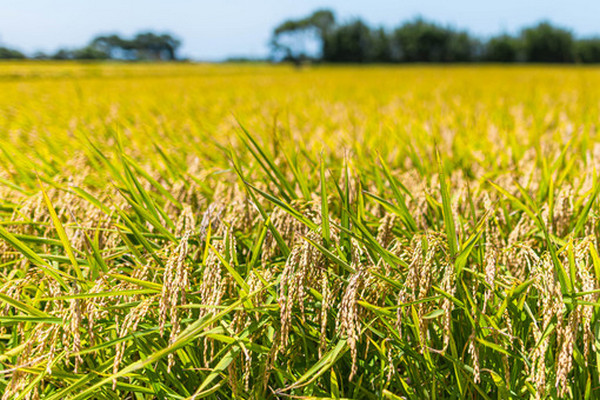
{"points": [[256, 232]]}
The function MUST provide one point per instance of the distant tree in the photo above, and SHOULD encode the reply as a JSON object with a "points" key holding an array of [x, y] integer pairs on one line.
{"points": [[170, 46], [587, 50], [381, 46], [323, 21], [62, 54], [462, 47], [10, 54], [144, 46], [351, 42], [150, 46], [503, 48], [421, 41], [89, 53], [113, 46], [291, 39], [546, 43]]}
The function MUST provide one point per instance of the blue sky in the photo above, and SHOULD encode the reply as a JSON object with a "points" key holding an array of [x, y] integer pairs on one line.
{"points": [[212, 30]]}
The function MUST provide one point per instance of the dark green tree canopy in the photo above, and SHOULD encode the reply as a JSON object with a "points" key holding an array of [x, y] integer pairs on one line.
{"points": [[587, 50], [10, 54], [422, 41], [349, 43], [546, 43], [503, 48]]}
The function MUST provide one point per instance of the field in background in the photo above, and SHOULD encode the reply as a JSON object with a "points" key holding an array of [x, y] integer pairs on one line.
{"points": [[253, 231]]}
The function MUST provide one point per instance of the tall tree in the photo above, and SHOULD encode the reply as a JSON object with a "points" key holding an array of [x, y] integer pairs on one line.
{"points": [[422, 41], [352, 42], [292, 38], [546, 43]]}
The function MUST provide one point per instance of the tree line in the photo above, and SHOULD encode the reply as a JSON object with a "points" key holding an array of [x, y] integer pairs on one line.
{"points": [[148, 46], [423, 41], [320, 37]]}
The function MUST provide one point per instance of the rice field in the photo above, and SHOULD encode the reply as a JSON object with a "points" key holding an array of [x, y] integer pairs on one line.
{"points": [[188, 231]]}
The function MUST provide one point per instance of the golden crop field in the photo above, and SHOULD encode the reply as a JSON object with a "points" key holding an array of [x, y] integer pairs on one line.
{"points": [[187, 231]]}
